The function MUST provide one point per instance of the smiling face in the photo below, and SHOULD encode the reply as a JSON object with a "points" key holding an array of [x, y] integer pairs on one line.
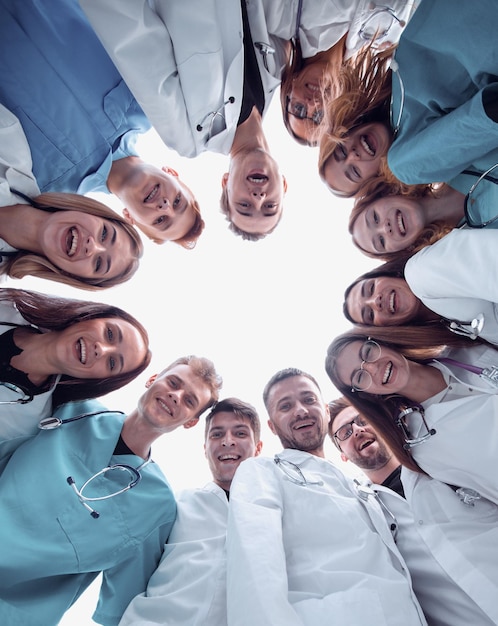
{"points": [[382, 301], [357, 158], [157, 202], [389, 373], [85, 245], [255, 191], [174, 398], [298, 414], [98, 348], [389, 224], [305, 100], [230, 440], [362, 448]]}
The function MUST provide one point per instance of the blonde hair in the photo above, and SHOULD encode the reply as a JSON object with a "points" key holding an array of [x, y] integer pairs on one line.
{"points": [[26, 263]]}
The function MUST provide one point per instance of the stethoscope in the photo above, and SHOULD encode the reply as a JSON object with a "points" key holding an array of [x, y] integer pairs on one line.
{"points": [[294, 473], [135, 476]]}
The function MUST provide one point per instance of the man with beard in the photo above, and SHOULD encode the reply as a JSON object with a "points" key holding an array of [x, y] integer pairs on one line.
{"points": [[449, 551], [302, 547]]}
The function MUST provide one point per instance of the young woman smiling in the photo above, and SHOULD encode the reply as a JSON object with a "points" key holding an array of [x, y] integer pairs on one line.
{"points": [[55, 350], [439, 416]]}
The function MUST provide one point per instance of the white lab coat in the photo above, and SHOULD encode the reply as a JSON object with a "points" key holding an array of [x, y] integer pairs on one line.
{"points": [[189, 584], [457, 277], [313, 554], [19, 421], [183, 59], [464, 450], [15, 166]]}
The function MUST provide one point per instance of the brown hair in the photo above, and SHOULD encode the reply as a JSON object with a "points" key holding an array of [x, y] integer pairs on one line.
{"points": [[225, 209], [53, 313], [238, 408], [27, 263]]}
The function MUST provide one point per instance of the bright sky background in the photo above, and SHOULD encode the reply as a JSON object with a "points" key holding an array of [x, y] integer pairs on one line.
{"points": [[251, 307]]}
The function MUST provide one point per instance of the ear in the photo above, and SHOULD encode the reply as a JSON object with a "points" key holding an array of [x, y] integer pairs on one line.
{"points": [[224, 179], [284, 180], [170, 171], [128, 217], [271, 427], [191, 422], [344, 457], [205, 451], [151, 380], [259, 446]]}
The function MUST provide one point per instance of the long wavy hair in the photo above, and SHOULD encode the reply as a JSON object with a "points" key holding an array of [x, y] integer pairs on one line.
{"points": [[434, 331], [26, 263], [53, 313], [381, 187], [364, 93], [382, 411]]}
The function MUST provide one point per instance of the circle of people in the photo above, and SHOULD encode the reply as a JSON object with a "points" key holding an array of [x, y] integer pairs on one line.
{"points": [[402, 101]]}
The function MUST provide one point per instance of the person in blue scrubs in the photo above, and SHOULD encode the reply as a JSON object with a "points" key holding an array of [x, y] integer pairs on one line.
{"points": [[66, 514], [80, 119]]}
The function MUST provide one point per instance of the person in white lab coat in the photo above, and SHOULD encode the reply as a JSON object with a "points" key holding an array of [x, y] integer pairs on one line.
{"points": [[189, 584], [450, 551], [302, 547]]}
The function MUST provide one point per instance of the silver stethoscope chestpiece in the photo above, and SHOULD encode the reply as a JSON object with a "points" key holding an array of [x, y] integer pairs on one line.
{"points": [[49, 423]]}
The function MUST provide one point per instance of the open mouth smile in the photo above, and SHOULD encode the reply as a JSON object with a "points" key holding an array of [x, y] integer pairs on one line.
{"points": [[387, 373], [152, 194], [164, 406], [81, 349], [401, 223], [303, 424], [366, 144], [257, 178], [229, 457], [365, 444], [392, 302], [72, 239]]}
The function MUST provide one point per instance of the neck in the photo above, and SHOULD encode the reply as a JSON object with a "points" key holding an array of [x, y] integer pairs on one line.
{"points": [[138, 435], [249, 135], [447, 206], [20, 226], [425, 382], [379, 474], [120, 169]]}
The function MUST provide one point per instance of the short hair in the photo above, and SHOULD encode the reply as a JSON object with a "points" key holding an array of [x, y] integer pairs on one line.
{"points": [[204, 369], [336, 407], [190, 238], [225, 209], [281, 375], [239, 409], [27, 263]]}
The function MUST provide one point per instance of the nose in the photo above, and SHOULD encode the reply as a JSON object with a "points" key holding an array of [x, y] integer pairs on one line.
{"points": [[164, 206], [101, 349], [357, 429], [92, 246], [228, 440], [375, 301], [175, 395], [301, 410], [259, 193]]}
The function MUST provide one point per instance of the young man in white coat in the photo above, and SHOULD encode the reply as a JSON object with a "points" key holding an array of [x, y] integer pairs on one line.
{"points": [[189, 584], [302, 547], [450, 551]]}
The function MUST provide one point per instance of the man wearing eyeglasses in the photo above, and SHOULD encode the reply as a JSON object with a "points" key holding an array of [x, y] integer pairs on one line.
{"points": [[302, 547], [451, 551], [189, 585], [84, 497]]}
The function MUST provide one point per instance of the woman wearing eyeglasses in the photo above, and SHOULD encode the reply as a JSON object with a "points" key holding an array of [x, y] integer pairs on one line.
{"points": [[445, 288], [436, 102], [55, 350], [64, 237], [436, 410]]}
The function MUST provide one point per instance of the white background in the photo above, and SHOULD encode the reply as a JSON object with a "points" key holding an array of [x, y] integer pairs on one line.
{"points": [[251, 307]]}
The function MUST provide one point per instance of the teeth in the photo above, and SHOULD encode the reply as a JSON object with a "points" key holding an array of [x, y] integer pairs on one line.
{"points": [[229, 457], [152, 194], [73, 242], [258, 179], [392, 308], [387, 373], [303, 424], [314, 88], [366, 444], [164, 406], [366, 146], [82, 351], [401, 224]]}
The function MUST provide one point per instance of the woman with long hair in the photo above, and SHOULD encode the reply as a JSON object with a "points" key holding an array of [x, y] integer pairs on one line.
{"points": [[436, 410], [55, 350], [435, 103], [449, 286]]}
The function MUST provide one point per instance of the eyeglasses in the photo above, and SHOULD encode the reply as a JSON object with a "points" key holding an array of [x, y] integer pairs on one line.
{"points": [[300, 110], [346, 430], [294, 473], [369, 353], [14, 394], [114, 474], [378, 23]]}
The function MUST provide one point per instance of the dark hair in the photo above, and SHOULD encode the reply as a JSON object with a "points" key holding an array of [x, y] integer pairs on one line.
{"points": [[381, 410], [53, 313], [281, 375], [239, 409], [27, 263], [204, 369], [336, 407]]}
